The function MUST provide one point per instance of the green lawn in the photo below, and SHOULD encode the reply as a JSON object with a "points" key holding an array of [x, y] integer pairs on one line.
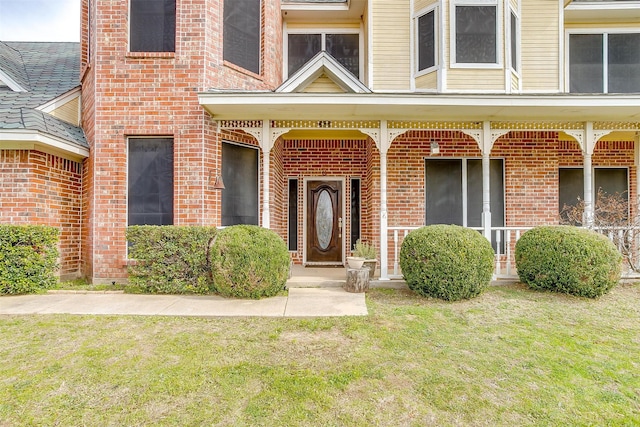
{"points": [[510, 357]]}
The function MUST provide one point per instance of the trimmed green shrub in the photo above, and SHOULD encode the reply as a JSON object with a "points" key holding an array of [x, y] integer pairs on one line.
{"points": [[447, 262], [170, 259], [28, 258], [248, 261], [569, 260]]}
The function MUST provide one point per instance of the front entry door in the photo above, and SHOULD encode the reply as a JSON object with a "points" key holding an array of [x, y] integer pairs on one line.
{"points": [[324, 222]]}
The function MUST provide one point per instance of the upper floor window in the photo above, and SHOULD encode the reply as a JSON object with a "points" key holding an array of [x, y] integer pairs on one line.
{"points": [[242, 33], [344, 47], [475, 33], [426, 36], [513, 40], [152, 26], [604, 63]]}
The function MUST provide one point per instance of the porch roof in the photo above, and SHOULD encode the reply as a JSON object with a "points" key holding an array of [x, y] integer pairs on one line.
{"points": [[224, 105]]}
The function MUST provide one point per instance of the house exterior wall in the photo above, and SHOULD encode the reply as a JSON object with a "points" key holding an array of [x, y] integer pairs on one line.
{"points": [[540, 46], [391, 41], [43, 189], [133, 94]]}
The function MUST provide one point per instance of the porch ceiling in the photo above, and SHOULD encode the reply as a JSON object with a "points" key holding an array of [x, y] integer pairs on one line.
{"points": [[420, 107]]}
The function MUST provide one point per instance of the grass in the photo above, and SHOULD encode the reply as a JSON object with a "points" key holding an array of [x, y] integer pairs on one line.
{"points": [[509, 357]]}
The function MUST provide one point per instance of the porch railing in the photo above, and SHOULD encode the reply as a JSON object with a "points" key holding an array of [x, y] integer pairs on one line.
{"points": [[504, 240]]}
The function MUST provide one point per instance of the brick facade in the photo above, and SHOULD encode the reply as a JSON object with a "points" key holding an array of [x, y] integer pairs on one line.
{"points": [[43, 189]]}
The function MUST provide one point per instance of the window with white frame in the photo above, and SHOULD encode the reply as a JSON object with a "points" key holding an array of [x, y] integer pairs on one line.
{"points": [[513, 40], [475, 33], [604, 62], [426, 37], [343, 46]]}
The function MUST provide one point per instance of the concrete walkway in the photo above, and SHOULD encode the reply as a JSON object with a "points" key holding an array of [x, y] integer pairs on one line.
{"points": [[301, 302]]}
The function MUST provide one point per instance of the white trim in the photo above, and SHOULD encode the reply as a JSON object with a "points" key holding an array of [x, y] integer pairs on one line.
{"points": [[604, 32], [321, 63], [413, 106], [415, 46], [322, 31], [13, 85], [562, 66], [60, 101], [33, 139], [498, 34], [370, 76], [304, 215]]}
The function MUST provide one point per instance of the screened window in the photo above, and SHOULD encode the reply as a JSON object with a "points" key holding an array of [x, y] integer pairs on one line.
{"points": [[150, 196], [240, 176], [345, 48], [476, 34], [609, 181], [513, 28], [604, 63], [152, 26], [454, 192], [426, 41], [242, 34]]}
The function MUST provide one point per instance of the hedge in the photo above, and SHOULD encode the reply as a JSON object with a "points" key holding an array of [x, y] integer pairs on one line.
{"points": [[447, 262], [28, 258], [569, 260], [170, 259], [248, 261]]}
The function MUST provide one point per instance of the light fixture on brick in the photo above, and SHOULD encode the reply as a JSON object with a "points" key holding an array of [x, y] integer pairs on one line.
{"points": [[435, 148], [218, 184]]}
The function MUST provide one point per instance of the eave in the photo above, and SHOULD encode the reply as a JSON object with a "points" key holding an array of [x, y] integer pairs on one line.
{"points": [[420, 107], [25, 139]]}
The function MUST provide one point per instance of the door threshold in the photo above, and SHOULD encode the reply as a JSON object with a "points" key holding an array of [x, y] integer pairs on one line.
{"points": [[323, 264]]}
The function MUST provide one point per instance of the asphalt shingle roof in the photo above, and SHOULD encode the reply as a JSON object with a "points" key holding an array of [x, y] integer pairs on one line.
{"points": [[45, 71]]}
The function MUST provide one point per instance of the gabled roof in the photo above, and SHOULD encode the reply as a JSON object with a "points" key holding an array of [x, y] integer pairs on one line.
{"points": [[34, 74], [323, 63]]}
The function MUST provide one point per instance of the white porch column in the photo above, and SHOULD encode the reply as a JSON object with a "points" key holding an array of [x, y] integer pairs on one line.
{"points": [[384, 231], [485, 147], [266, 146]]}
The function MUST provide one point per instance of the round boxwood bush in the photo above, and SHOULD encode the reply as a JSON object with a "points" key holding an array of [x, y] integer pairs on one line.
{"points": [[447, 262], [248, 261], [569, 260]]}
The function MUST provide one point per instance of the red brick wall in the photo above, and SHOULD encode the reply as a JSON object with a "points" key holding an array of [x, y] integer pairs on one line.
{"points": [[325, 158], [155, 94], [43, 189]]}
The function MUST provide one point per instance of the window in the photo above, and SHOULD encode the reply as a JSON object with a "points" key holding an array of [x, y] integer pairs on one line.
{"points": [[240, 176], [355, 211], [454, 192], [513, 36], [426, 41], [150, 197], [607, 180], [152, 26], [344, 47], [293, 215], [242, 34], [604, 63], [476, 29]]}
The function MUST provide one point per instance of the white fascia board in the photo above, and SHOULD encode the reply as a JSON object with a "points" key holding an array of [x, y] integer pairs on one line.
{"points": [[11, 83], [420, 107], [28, 139], [60, 100]]}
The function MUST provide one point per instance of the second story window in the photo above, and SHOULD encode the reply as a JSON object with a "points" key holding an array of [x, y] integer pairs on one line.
{"points": [[604, 63], [426, 27], [152, 26], [476, 33], [242, 33], [344, 47]]}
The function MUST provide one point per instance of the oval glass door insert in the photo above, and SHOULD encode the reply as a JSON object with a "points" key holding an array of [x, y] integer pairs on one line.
{"points": [[324, 219]]}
